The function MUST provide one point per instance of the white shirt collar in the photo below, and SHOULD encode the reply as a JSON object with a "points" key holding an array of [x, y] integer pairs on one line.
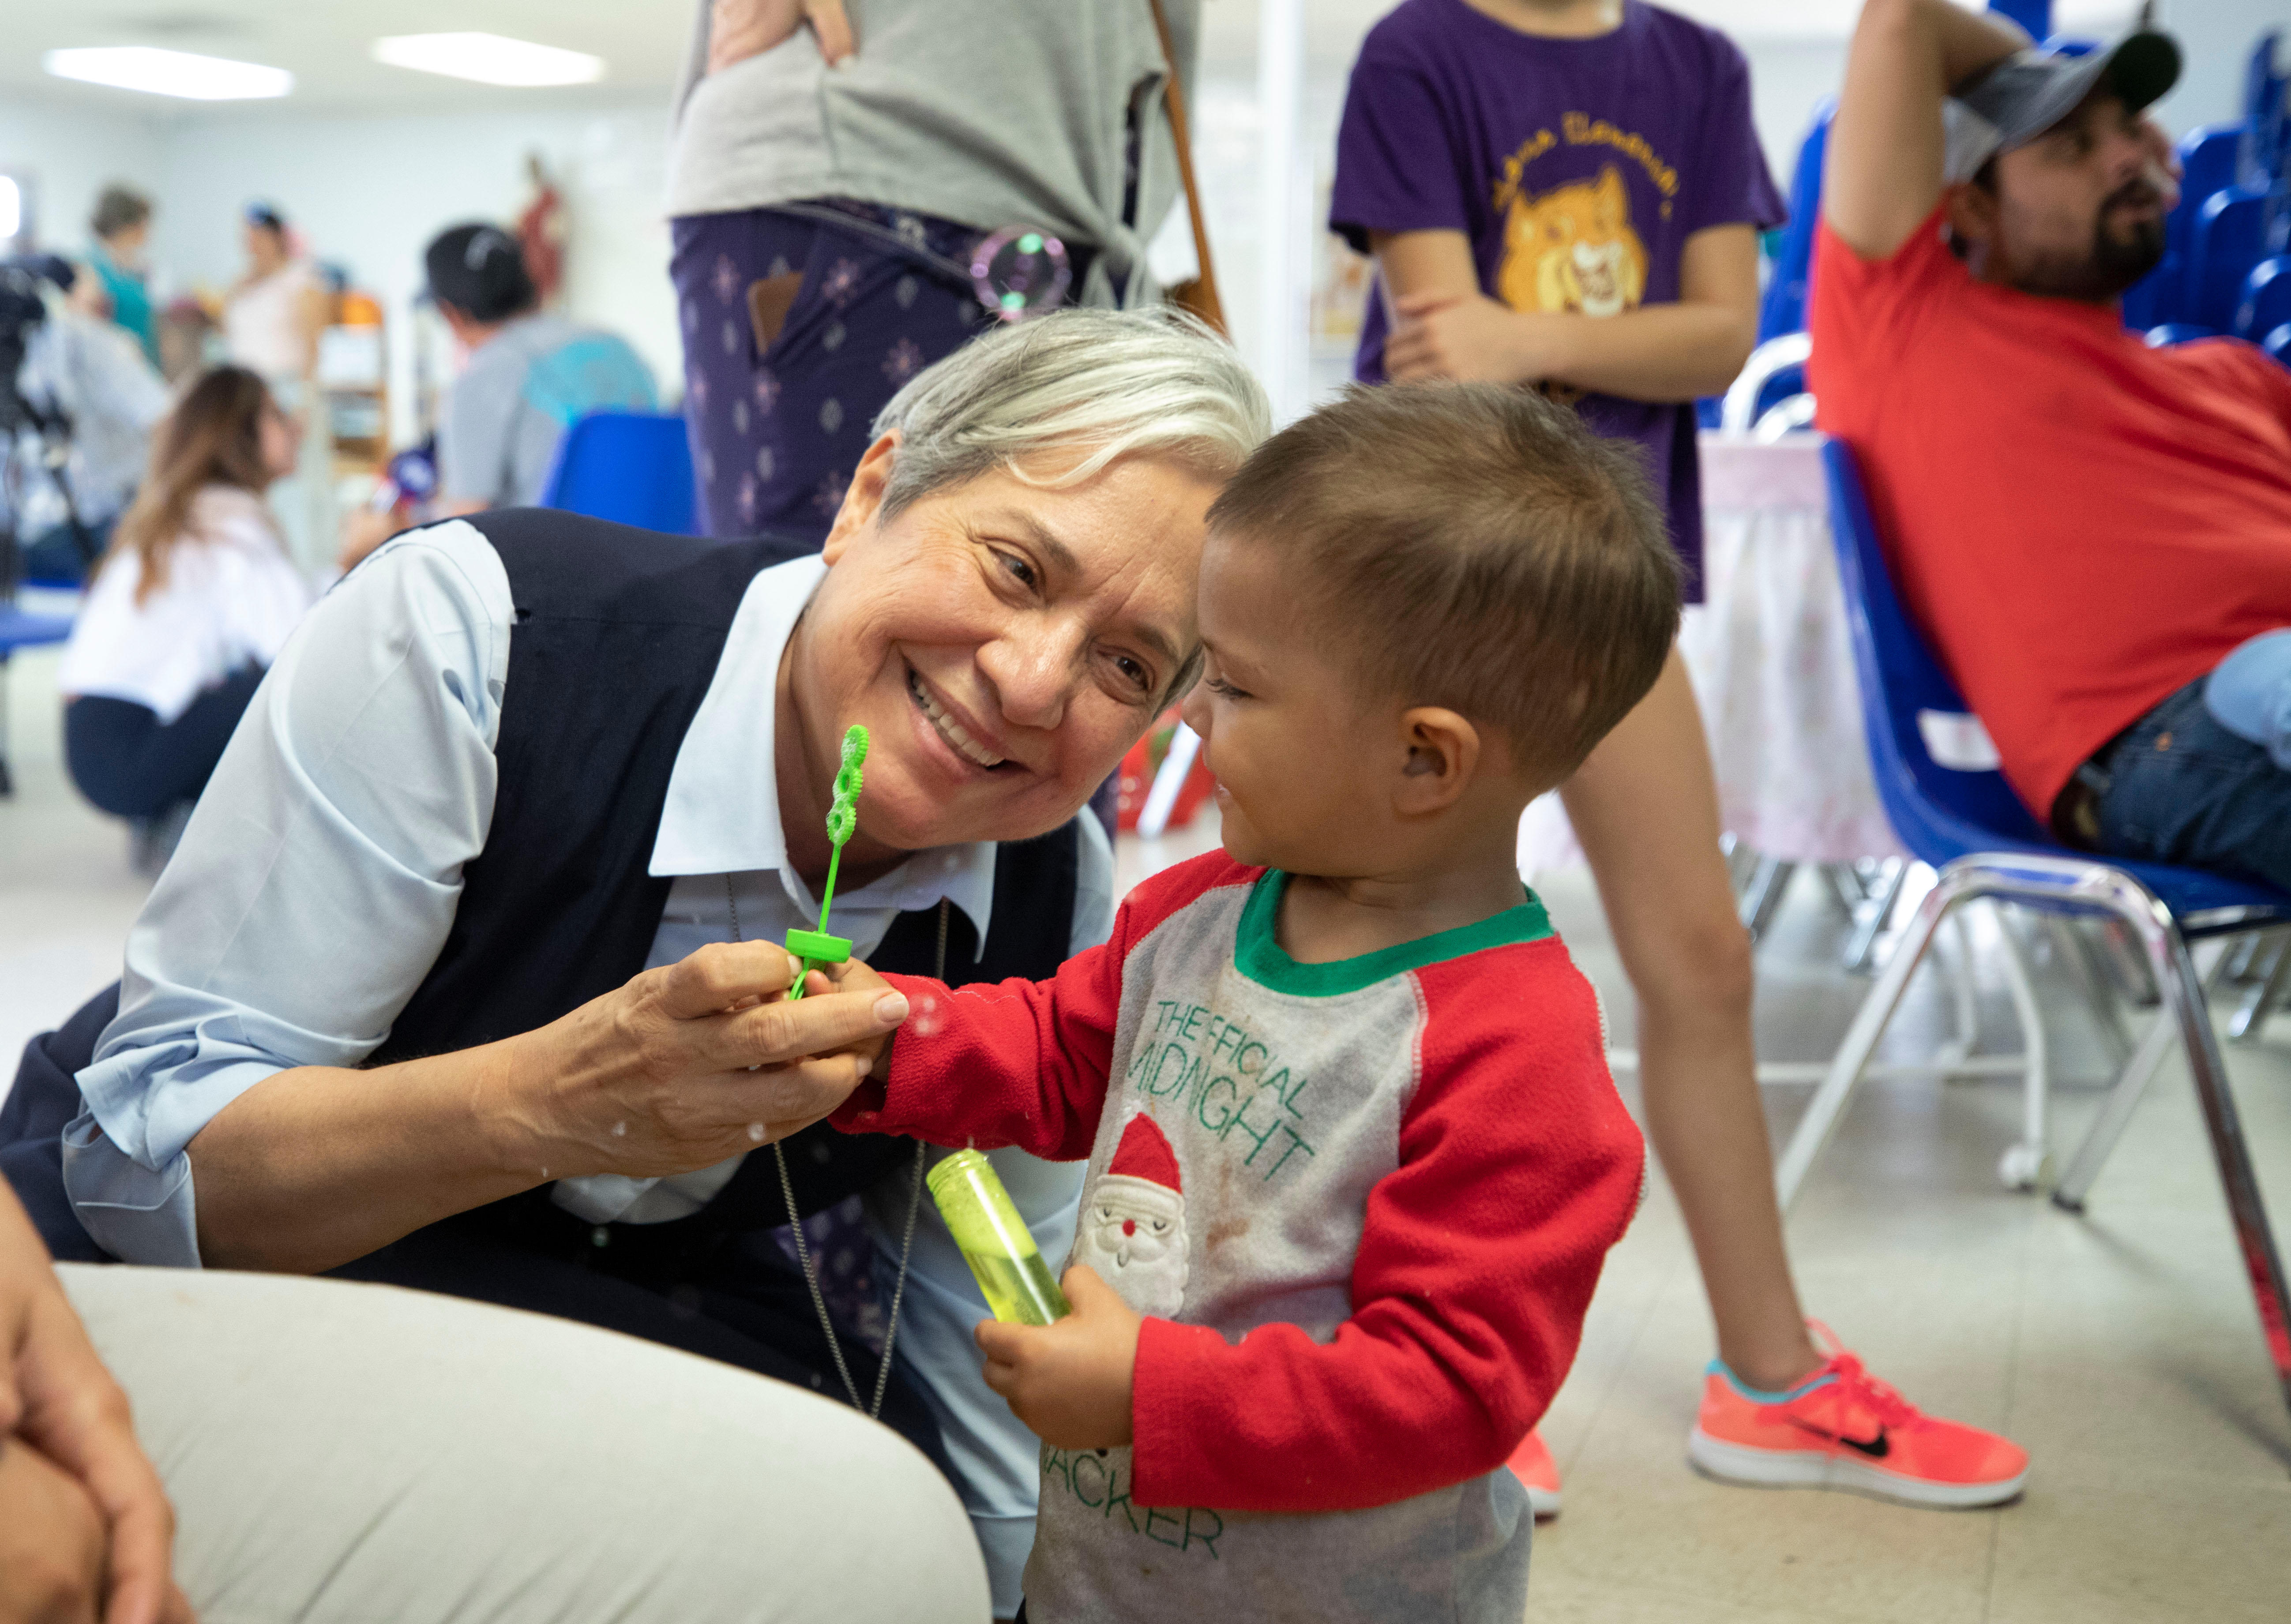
{"points": [[722, 816]]}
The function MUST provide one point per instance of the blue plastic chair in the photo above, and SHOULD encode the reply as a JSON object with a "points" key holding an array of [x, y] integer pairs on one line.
{"points": [[1783, 309], [2266, 303], [2277, 344], [2229, 237], [1972, 827], [632, 468], [20, 629], [2175, 333]]}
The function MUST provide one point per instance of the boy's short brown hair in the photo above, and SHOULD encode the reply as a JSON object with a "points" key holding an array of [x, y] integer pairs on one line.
{"points": [[1484, 552]]}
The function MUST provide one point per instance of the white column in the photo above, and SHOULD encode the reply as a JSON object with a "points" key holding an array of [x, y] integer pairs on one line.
{"points": [[1284, 198]]}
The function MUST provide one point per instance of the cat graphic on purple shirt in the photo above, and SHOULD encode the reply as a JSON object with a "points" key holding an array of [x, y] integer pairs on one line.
{"points": [[1577, 168]]}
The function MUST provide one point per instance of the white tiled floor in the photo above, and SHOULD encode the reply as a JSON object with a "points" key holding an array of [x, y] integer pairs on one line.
{"points": [[2120, 1347]]}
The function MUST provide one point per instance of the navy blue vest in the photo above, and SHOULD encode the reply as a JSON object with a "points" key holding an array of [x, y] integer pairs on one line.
{"points": [[617, 636]]}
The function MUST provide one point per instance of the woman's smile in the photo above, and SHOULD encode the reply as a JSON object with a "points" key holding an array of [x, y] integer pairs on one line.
{"points": [[961, 733]]}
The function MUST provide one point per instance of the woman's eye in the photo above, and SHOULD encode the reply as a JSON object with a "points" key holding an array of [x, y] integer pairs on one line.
{"points": [[1136, 674], [1020, 568]]}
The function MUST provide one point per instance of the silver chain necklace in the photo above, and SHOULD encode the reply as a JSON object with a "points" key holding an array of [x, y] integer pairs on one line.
{"points": [[795, 1220]]}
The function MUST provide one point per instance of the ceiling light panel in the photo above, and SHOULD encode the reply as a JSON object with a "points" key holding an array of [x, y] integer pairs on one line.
{"points": [[169, 73], [489, 59]]}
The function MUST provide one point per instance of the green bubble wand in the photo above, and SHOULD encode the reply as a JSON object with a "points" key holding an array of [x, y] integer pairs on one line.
{"points": [[816, 947]]}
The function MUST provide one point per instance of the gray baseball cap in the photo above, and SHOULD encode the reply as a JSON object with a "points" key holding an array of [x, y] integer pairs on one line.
{"points": [[2025, 94]]}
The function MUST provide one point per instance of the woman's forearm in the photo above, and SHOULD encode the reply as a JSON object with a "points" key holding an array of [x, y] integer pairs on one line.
{"points": [[680, 1068], [316, 1166]]}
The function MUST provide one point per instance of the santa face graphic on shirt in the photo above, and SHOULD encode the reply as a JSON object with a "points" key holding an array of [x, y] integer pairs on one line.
{"points": [[1133, 1224]]}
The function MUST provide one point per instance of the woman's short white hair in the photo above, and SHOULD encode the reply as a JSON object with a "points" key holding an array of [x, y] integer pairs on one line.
{"points": [[1104, 385]]}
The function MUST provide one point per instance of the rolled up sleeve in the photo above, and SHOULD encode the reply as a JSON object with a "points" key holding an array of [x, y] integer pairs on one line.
{"points": [[315, 883]]}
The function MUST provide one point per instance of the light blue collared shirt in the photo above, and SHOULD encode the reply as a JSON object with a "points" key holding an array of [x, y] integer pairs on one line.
{"points": [[319, 878]]}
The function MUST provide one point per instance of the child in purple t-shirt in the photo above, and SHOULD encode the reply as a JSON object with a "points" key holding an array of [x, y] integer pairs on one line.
{"points": [[1499, 173], [1566, 194]]}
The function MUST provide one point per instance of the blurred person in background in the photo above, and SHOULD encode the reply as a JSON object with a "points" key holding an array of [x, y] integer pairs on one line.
{"points": [[830, 177], [89, 377], [188, 608], [529, 377], [273, 318], [121, 227]]}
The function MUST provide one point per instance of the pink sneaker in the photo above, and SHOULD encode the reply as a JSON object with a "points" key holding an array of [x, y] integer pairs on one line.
{"points": [[1533, 1465], [1843, 1428]]}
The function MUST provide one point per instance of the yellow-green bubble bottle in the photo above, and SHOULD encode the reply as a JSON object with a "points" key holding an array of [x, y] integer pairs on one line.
{"points": [[999, 1247]]}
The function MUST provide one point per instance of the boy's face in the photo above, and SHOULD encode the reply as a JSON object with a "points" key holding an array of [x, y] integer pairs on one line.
{"points": [[1301, 758]]}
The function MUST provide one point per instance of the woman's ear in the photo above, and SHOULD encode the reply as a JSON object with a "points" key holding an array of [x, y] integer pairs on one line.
{"points": [[1443, 756], [862, 498]]}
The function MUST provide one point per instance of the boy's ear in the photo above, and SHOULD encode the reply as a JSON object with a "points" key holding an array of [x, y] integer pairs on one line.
{"points": [[1442, 758], [862, 498]]}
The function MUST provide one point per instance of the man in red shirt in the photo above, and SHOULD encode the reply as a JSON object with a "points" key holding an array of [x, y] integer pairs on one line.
{"points": [[2096, 536]]}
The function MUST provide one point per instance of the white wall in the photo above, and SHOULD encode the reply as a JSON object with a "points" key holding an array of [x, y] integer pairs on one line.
{"points": [[369, 192]]}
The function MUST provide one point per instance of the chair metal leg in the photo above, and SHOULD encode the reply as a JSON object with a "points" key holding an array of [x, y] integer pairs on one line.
{"points": [[1863, 943], [1957, 966], [2028, 1164], [2183, 997], [1762, 897], [2248, 1022], [1846, 1067], [2072, 945], [2130, 1084]]}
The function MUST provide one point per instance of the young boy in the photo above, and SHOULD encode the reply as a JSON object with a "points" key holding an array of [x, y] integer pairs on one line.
{"points": [[1354, 1155]]}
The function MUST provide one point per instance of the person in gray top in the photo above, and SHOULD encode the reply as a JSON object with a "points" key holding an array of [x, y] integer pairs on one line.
{"points": [[531, 375], [835, 166]]}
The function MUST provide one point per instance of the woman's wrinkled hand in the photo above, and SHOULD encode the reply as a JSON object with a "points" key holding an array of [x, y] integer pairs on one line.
{"points": [[738, 30], [689, 1065]]}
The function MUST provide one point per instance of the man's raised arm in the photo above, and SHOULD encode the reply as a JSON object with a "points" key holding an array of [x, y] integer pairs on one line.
{"points": [[1886, 147]]}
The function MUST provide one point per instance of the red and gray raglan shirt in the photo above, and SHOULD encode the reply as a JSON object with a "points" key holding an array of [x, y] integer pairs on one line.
{"points": [[1363, 1205]]}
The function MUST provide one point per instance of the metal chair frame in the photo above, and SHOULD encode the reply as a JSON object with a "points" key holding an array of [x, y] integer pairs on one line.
{"points": [[2024, 871]]}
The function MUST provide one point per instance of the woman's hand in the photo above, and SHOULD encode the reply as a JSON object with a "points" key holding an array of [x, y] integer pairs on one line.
{"points": [[738, 30], [1069, 1383], [693, 1063], [84, 1525]]}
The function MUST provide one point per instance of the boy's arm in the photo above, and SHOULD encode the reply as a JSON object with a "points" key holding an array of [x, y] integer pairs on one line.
{"points": [[1519, 1168], [1021, 1063], [1883, 172], [1446, 328]]}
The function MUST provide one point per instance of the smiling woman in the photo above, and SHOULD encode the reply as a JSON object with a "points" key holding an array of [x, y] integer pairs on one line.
{"points": [[446, 985]]}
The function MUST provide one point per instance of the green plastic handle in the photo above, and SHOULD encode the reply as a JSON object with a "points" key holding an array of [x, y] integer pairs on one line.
{"points": [[817, 947]]}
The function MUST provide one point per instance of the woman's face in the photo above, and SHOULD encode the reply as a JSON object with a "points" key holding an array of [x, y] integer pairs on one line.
{"points": [[280, 438], [1004, 644], [266, 249]]}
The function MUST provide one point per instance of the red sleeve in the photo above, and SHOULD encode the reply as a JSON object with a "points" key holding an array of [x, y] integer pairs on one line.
{"points": [[1861, 313], [1519, 1167], [1022, 1063]]}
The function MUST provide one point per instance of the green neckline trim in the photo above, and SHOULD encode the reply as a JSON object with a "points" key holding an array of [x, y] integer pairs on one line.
{"points": [[1258, 952]]}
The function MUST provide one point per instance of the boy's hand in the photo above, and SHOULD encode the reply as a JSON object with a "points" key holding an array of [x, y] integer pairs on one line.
{"points": [[1469, 339], [853, 976], [1069, 1382]]}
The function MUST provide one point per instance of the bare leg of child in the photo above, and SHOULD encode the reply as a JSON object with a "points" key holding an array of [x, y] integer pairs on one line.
{"points": [[1779, 1411], [1645, 808]]}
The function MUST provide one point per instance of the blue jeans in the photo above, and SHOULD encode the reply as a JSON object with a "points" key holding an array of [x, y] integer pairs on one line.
{"points": [[2183, 789]]}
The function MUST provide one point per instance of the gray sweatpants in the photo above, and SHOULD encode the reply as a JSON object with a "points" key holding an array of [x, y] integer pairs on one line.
{"points": [[360, 1453]]}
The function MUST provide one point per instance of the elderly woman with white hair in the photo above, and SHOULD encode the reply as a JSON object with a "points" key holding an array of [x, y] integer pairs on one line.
{"points": [[465, 974]]}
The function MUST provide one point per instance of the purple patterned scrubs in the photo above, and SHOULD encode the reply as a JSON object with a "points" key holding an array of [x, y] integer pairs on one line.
{"points": [[776, 435]]}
